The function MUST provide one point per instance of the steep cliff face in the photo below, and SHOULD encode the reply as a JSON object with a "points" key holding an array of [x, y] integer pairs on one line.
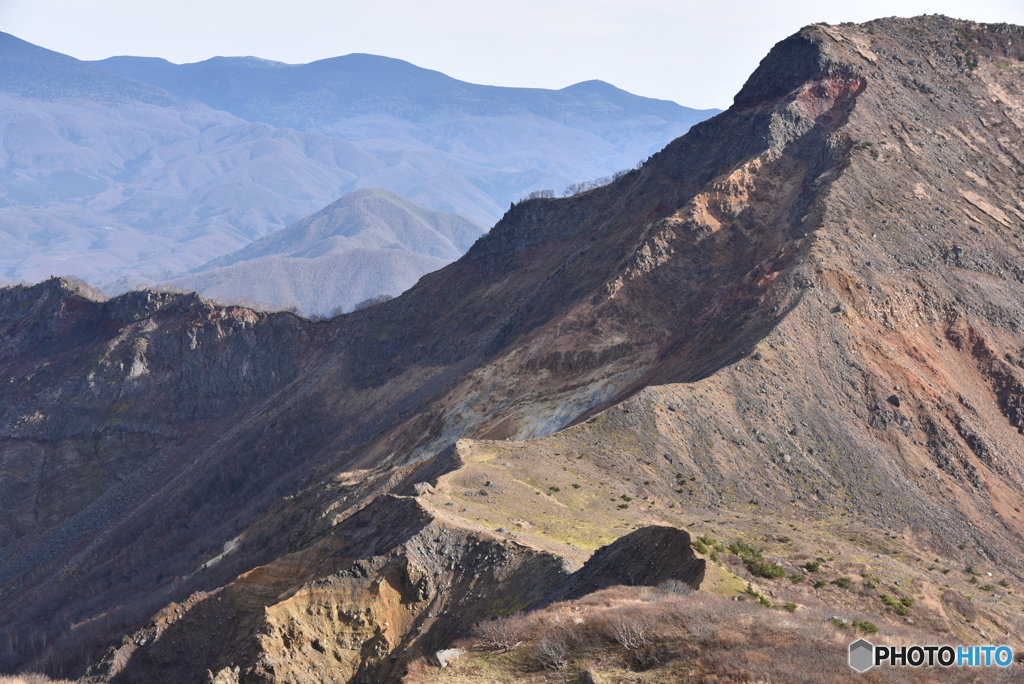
{"points": [[102, 401], [392, 583], [825, 279], [96, 392]]}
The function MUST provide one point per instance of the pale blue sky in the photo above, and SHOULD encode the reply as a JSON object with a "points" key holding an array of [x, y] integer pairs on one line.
{"points": [[696, 53]]}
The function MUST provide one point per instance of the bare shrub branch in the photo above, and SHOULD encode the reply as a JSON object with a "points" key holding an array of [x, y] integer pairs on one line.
{"points": [[502, 633], [675, 587], [552, 650], [628, 628]]}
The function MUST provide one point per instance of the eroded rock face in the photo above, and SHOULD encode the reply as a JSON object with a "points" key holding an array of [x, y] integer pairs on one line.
{"points": [[353, 608], [389, 584], [100, 396], [646, 557]]}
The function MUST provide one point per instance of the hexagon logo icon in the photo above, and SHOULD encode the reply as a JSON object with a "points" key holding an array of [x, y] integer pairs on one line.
{"points": [[862, 655]]}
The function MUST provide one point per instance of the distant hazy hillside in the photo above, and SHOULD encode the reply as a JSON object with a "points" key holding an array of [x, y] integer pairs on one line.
{"points": [[367, 243], [319, 95], [505, 141], [107, 177], [101, 176], [31, 71]]}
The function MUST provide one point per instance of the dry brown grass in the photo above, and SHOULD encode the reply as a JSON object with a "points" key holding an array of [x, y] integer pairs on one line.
{"points": [[31, 678], [658, 636]]}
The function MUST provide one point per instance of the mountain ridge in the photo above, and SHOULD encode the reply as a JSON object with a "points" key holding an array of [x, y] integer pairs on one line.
{"points": [[108, 178], [33, 71], [359, 84], [796, 329]]}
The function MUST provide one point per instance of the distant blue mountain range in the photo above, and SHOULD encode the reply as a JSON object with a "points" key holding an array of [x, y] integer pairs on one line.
{"points": [[315, 96], [135, 168]]}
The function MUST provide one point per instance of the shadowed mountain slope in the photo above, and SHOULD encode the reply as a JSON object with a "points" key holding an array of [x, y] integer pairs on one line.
{"points": [[809, 302], [368, 243]]}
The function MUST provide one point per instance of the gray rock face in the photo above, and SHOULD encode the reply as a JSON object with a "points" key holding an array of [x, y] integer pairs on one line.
{"points": [[134, 373]]}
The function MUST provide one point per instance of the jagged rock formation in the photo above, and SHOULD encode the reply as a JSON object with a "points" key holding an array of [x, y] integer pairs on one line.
{"points": [[810, 301], [393, 582]]}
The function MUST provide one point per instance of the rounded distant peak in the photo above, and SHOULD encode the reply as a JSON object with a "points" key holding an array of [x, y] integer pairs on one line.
{"points": [[246, 61], [593, 85], [360, 195]]}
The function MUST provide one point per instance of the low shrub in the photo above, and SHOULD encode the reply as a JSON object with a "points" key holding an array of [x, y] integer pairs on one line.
{"points": [[637, 628], [675, 587], [843, 582], [812, 566], [757, 596], [763, 568], [745, 550], [503, 633], [552, 650], [752, 557], [865, 626], [897, 607], [629, 629]]}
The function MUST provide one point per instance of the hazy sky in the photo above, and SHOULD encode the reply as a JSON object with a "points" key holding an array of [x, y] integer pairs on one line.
{"points": [[696, 53]]}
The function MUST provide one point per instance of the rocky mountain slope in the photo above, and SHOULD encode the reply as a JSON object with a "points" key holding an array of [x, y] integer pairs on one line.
{"points": [[795, 331], [103, 176], [370, 242]]}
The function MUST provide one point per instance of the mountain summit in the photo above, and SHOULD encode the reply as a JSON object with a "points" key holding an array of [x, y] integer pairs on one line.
{"points": [[370, 242], [796, 332]]}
